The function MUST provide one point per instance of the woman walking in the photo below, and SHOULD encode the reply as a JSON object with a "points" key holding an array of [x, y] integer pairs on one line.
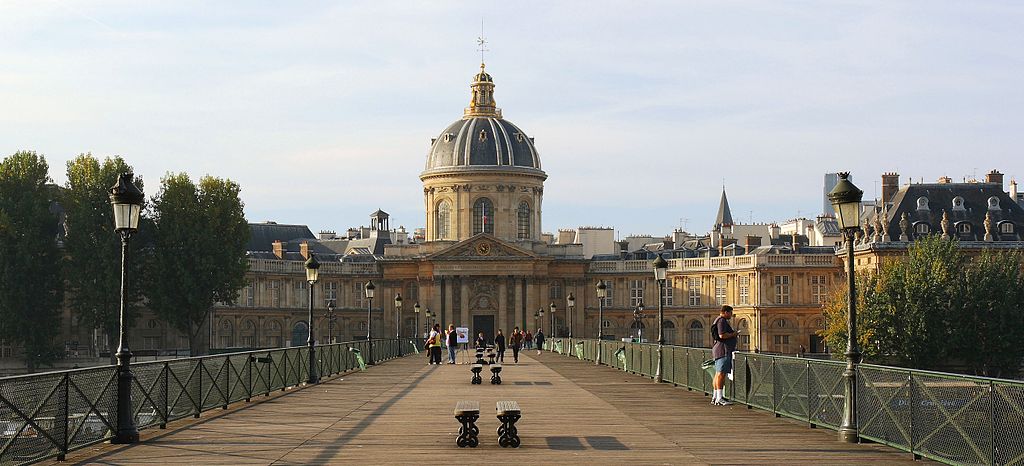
{"points": [[539, 338], [434, 344], [527, 340], [499, 344], [516, 342]]}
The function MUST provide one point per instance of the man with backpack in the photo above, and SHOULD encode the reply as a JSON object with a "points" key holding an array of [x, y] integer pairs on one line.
{"points": [[725, 343]]}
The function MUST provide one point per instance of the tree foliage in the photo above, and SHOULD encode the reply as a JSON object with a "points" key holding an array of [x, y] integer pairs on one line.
{"points": [[30, 290], [198, 258], [935, 309], [93, 249]]}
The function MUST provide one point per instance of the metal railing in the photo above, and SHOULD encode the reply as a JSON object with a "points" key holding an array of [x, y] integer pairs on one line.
{"points": [[47, 415], [950, 418]]}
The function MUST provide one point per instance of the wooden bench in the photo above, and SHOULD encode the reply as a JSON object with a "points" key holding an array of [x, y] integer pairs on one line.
{"points": [[467, 412], [495, 371], [476, 369], [508, 413]]}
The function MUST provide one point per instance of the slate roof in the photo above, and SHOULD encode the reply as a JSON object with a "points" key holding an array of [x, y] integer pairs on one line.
{"points": [[939, 198], [724, 216], [483, 141], [263, 235]]}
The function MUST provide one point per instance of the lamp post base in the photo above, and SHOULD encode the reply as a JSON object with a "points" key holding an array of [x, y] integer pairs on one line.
{"points": [[848, 436]]}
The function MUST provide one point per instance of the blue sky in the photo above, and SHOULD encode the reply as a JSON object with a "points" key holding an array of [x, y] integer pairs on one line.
{"points": [[323, 111]]}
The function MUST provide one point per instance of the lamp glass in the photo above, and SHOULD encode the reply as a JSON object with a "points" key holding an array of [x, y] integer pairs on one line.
{"points": [[571, 300], [416, 308], [848, 215], [126, 216], [398, 301], [659, 273], [312, 274], [602, 290], [369, 289]]}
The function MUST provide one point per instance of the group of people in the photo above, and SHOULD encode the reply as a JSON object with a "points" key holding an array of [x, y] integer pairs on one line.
{"points": [[517, 341]]}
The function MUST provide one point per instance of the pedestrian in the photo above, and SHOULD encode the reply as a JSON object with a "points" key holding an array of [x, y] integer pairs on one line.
{"points": [[434, 344], [499, 344], [453, 343], [725, 343], [515, 342], [528, 339], [539, 339], [480, 341]]}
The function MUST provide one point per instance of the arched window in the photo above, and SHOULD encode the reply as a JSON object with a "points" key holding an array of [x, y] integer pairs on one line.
{"points": [[922, 203], [670, 331], [483, 216], [443, 220], [921, 228], [300, 333], [993, 203], [695, 334], [958, 203], [963, 227], [1006, 228], [227, 334], [248, 334], [523, 221]]}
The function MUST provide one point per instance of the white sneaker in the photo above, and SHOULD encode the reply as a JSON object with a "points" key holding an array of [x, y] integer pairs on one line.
{"points": [[724, 402]]}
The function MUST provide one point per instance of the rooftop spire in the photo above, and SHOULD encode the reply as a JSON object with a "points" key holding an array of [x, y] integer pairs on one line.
{"points": [[482, 103], [724, 213]]}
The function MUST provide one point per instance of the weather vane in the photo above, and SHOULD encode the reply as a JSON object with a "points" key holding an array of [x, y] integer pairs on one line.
{"points": [[482, 42]]}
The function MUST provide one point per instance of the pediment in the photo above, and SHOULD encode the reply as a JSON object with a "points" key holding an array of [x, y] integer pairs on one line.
{"points": [[482, 246]]}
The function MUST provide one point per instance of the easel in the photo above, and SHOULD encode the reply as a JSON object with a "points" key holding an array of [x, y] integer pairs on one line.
{"points": [[463, 354]]}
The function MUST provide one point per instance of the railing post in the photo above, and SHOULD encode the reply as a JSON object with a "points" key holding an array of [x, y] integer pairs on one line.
{"points": [[199, 395], [992, 422], [913, 403], [62, 419], [167, 402], [248, 384], [225, 391]]}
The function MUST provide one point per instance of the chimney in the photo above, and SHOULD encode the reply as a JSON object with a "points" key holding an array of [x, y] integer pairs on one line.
{"points": [[795, 246], [623, 248], [304, 249], [279, 248], [1013, 190], [752, 241], [945, 180], [890, 184], [774, 231], [669, 243], [995, 177]]}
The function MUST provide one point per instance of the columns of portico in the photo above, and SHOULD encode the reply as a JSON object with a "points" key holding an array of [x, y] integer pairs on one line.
{"points": [[464, 302], [517, 307], [503, 304]]}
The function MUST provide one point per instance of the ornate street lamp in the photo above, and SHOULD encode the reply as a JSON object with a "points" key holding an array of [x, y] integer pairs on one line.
{"points": [[602, 293], [126, 200], [416, 325], [845, 198], [312, 275], [638, 316], [571, 301], [551, 311], [398, 315], [330, 322], [369, 319], [660, 268]]}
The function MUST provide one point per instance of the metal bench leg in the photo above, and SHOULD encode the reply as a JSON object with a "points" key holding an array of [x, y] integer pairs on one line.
{"points": [[468, 432], [495, 378], [508, 435]]}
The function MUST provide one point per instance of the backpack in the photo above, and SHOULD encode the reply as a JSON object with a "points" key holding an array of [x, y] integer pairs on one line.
{"points": [[714, 331]]}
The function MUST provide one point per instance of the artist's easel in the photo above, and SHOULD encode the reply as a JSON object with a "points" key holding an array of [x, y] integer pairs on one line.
{"points": [[463, 354]]}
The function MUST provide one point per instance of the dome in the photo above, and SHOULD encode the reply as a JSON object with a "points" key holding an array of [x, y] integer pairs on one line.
{"points": [[482, 139]]}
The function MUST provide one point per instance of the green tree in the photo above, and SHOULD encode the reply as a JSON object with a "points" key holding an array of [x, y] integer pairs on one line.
{"points": [[990, 319], [93, 249], [30, 290], [199, 251]]}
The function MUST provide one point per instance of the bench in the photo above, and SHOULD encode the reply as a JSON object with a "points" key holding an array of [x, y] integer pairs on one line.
{"points": [[467, 412], [495, 370], [508, 413], [491, 356], [480, 358], [476, 370]]}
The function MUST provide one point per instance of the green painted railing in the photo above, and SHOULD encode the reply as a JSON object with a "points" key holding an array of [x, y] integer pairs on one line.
{"points": [[47, 415], [951, 418]]}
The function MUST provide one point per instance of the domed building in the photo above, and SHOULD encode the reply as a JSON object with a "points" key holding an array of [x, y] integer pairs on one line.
{"points": [[483, 175]]}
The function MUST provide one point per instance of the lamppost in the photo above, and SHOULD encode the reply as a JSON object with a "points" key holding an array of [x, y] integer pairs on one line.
{"points": [[571, 309], [638, 316], [552, 310], [845, 198], [537, 316], [416, 310], [126, 200], [660, 267], [330, 322], [312, 275], [398, 315], [369, 319], [602, 293]]}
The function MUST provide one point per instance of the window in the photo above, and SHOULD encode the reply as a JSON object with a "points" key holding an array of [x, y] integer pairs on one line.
{"points": [[330, 293], [666, 294], [782, 289], [151, 343], [781, 340], [922, 203], [301, 294], [720, 290], [443, 220], [818, 288], [523, 221], [555, 290], [275, 293], [274, 339], [248, 334], [606, 323], [248, 296], [636, 292], [226, 334], [695, 334], [358, 293], [483, 216], [1006, 228], [993, 203], [921, 228], [963, 227], [6, 350], [958, 203], [744, 289], [412, 293], [609, 293], [693, 285]]}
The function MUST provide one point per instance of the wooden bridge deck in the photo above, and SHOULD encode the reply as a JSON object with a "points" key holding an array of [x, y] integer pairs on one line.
{"points": [[573, 412]]}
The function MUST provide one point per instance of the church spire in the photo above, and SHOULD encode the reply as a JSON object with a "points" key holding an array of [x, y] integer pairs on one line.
{"points": [[724, 217]]}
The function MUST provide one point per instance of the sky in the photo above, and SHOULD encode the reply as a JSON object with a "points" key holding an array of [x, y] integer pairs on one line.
{"points": [[641, 110]]}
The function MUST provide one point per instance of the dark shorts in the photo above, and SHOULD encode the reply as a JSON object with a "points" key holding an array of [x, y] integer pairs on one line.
{"points": [[724, 364]]}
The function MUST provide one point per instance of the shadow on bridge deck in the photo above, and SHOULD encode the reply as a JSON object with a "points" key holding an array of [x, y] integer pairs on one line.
{"points": [[573, 412]]}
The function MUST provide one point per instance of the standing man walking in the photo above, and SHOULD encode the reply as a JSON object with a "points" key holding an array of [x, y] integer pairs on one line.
{"points": [[453, 343], [539, 339], [515, 342], [725, 343]]}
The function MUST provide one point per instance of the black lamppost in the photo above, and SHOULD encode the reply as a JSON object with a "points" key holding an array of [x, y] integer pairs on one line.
{"points": [[551, 311], [312, 275], [126, 200], [571, 309], [845, 198], [660, 267], [537, 316], [369, 319], [638, 316], [416, 325], [428, 326], [330, 322], [602, 293], [398, 315]]}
